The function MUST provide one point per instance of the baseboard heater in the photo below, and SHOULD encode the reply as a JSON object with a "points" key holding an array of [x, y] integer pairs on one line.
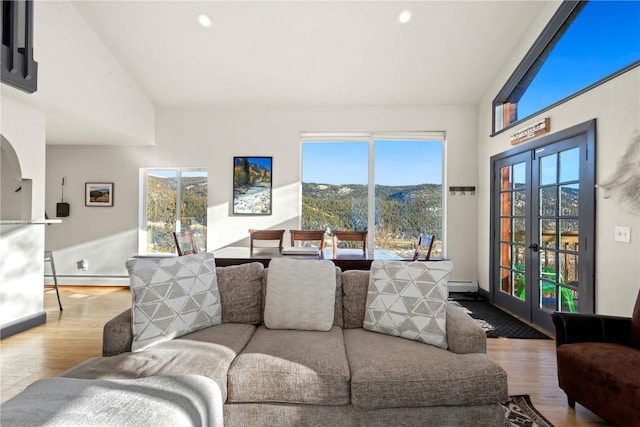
{"points": [[463, 286]]}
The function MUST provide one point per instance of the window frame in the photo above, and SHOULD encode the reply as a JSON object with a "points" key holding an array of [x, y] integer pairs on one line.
{"points": [[553, 31], [370, 137], [142, 203]]}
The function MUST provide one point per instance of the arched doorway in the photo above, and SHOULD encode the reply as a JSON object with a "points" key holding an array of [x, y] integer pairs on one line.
{"points": [[15, 192]]}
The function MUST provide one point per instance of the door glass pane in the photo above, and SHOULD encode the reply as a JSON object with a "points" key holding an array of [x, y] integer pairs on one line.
{"points": [[193, 205], [569, 165], [548, 296], [569, 199], [568, 300], [548, 265], [505, 229], [519, 175], [505, 280], [569, 234], [548, 201], [548, 233], [518, 230], [548, 169], [161, 210], [505, 254], [518, 257], [519, 288], [569, 269], [407, 204], [519, 203], [505, 182]]}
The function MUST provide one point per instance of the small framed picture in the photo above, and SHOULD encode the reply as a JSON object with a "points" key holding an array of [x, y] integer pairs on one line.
{"points": [[98, 194], [252, 185]]}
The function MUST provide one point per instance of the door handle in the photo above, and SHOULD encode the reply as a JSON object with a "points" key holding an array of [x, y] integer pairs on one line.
{"points": [[534, 247]]}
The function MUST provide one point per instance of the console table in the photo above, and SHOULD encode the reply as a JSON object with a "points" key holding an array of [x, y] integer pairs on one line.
{"points": [[347, 259]]}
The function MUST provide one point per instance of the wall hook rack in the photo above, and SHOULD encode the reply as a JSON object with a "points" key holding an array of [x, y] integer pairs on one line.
{"points": [[462, 190]]}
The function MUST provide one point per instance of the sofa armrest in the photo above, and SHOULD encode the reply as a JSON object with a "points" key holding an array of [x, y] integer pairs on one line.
{"points": [[117, 335], [580, 327], [464, 335]]}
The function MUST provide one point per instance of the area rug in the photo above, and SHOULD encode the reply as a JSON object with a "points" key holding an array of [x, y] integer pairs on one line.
{"points": [[497, 323], [519, 412]]}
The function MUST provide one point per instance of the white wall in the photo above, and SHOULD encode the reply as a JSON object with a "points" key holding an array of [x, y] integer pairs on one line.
{"points": [[616, 106], [21, 247], [82, 85], [210, 139]]}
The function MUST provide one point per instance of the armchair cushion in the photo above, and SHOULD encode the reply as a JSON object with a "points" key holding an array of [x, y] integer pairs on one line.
{"points": [[604, 377]]}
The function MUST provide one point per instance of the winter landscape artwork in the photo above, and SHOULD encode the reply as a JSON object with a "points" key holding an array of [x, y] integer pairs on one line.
{"points": [[252, 185]]}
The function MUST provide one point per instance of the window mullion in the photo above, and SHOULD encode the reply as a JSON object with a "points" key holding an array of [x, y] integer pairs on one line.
{"points": [[179, 200], [371, 197]]}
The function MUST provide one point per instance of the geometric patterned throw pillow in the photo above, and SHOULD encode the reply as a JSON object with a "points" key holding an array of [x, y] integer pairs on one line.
{"points": [[408, 299], [172, 297]]}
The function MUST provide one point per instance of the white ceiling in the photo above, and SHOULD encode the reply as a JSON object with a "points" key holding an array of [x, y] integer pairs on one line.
{"points": [[311, 53]]}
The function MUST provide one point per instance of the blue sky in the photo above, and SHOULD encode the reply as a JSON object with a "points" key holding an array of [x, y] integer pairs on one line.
{"points": [[604, 38], [397, 162], [263, 161]]}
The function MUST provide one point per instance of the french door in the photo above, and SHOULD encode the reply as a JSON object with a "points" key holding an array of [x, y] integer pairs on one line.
{"points": [[543, 226]]}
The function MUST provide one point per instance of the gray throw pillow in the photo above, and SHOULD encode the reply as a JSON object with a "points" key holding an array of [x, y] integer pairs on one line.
{"points": [[408, 299], [301, 294], [172, 297]]}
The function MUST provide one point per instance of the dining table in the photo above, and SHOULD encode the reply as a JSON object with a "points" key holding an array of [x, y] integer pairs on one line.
{"points": [[346, 258]]}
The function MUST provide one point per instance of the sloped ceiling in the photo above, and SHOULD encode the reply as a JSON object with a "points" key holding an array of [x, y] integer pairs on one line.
{"points": [[311, 53], [107, 66]]}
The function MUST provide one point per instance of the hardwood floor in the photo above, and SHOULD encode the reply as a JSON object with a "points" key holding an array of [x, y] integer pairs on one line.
{"points": [[75, 335]]}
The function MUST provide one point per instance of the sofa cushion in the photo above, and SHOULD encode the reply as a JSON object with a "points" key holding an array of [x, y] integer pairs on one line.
{"points": [[392, 372], [241, 292], [408, 299], [355, 285], [189, 400], [172, 297], [291, 367], [208, 352], [337, 315], [300, 294]]}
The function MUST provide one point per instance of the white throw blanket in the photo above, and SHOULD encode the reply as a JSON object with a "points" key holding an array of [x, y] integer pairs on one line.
{"points": [[187, 400]]}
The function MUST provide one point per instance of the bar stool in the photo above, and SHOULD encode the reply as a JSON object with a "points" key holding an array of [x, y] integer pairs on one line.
{"points": [[48, 257]]}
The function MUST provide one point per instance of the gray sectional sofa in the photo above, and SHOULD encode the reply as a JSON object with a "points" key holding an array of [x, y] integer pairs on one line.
{"points": [[346, 376], [242, 373]]}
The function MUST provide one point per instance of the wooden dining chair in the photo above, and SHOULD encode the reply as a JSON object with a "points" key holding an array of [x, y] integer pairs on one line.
{"points": [[307, 235], [425, 243], [350, 236], [265, 235], [185, 242]]}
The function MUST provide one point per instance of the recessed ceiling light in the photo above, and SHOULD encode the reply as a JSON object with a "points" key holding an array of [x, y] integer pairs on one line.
{"points": [[204, 20], [404, 16]]}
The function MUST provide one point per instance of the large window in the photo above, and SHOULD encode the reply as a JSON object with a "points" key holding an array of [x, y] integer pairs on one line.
{"points": [[387, 184], [172, 200], [584, 45]]}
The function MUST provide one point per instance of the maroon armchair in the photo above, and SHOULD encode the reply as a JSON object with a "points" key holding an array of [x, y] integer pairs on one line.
{"points": [[599, 363]]}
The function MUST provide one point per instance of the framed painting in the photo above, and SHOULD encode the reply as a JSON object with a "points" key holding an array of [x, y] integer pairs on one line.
{"points": [[98, 194], [252, 185]]}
